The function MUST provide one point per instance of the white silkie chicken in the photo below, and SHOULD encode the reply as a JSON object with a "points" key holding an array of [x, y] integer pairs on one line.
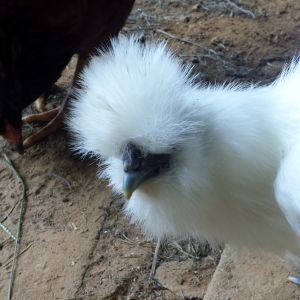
{"points": [[217, 162]]}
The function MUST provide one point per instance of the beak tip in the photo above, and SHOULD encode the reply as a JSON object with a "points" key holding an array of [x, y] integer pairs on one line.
{"points": [[130, 184], [127, 194]]}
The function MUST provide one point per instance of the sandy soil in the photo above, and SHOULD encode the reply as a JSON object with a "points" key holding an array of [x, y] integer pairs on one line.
{"points": [[76, 242]]}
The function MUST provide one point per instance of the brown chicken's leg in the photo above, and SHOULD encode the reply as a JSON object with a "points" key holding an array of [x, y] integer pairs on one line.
{"points": [[55, 117]]}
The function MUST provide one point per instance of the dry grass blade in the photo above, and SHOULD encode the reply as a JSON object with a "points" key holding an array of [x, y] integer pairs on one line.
{"points": [[64, 180], [171, 36], [9, 213], [22, 203], [184, 252], [20, 253], [155, 256]]}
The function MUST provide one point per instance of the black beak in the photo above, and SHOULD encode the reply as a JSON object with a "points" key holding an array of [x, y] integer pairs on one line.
{"points": [[139, 167]]}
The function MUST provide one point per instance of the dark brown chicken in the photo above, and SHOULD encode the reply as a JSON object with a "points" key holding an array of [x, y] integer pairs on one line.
{"points": [[37, 40]]}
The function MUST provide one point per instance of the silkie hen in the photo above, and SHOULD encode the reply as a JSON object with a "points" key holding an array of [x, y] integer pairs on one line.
{"points": [[217, 162]]}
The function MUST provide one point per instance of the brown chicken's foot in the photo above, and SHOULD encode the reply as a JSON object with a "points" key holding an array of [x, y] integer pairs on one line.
{"points": [[55, 118], [39, 104], [53, 125], [41, 117]]}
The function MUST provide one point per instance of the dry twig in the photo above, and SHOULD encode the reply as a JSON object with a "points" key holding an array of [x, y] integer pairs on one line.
{"points": [[20, 253], [9, 213], [185, 41], [154, 261], [242, 10]]}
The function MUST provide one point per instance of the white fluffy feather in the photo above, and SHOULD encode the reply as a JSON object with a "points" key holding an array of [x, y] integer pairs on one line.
{"points": [[236, 168]]}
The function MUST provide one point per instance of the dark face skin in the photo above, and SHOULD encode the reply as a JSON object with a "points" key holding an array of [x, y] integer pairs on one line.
{"points": [[139, 167]]}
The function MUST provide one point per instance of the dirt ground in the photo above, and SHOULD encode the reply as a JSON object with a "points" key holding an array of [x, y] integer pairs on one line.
{"points": [[76, 242]]}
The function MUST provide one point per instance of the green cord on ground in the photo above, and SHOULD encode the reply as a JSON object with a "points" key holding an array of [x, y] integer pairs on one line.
{"points": [[22, 203], [7, 231]]}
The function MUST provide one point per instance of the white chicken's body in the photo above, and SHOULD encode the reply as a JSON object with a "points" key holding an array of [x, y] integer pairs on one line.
{"points": [[235, 174], [230, 195]]}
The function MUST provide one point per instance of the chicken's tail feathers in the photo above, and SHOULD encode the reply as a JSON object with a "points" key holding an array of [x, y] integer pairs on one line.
{"points": [[287, 187]]}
